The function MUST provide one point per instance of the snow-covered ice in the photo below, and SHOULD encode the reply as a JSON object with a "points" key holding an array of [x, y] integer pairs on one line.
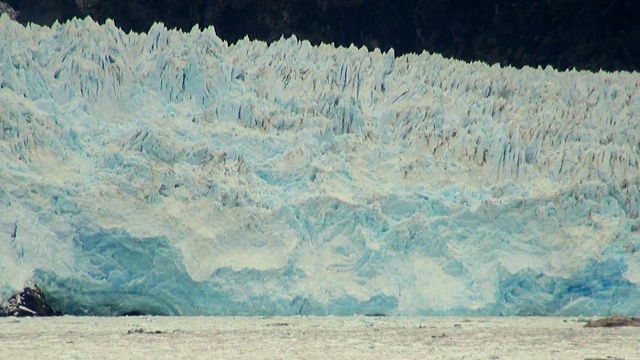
{"points": [[173, 173]]}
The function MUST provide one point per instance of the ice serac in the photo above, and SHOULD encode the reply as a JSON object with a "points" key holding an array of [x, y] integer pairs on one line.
{"points": [[173, 173]]}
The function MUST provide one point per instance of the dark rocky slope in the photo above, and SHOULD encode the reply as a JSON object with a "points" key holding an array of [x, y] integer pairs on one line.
{"points": [[31, 301]]}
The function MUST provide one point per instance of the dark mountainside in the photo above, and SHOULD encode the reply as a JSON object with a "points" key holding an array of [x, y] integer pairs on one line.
{"points": [[591, 35]]}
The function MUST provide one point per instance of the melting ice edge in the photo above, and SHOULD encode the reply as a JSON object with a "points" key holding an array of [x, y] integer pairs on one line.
{"points": [[173, 173]]}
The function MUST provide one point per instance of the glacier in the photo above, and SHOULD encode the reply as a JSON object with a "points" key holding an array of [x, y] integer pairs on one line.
{"points": [[173, 173]]}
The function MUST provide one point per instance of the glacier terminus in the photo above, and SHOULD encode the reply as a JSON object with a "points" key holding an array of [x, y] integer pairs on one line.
{"points": [[173, 173]]}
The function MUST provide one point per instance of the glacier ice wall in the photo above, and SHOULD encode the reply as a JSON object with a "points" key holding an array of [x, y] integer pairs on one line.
{"points": [[173, 173]]}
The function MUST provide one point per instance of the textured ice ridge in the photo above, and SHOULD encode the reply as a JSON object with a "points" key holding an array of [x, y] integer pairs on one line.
{"points": [[173, 173]]}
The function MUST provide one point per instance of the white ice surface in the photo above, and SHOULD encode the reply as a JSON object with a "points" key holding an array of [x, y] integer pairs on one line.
{"points": [[174, 173]]}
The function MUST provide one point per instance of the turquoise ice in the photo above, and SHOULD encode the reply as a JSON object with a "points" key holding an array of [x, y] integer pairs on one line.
{"points": [[173, 173]]}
